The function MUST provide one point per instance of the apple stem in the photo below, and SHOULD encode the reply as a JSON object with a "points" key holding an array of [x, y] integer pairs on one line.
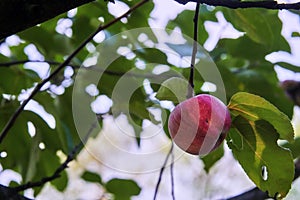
{"points": [[191, 78]]}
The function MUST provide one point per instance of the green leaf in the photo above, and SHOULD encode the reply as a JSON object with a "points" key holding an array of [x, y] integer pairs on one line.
{"points": [[41, 37], [136, 123], [15, 79], [13, 183], [65, 124], [4, 59], [231, 82], [289, 66], [127, 92], [249, 76], [94, 9], [174, 89], [262, 80], [253, 108], [47, 41], [138, 106], [17, 143], [294, 147], [91, 177], [45, 167], [152, 56], [295, 34], [113, 73], [251, 21], [61, 182], [33, 158], [243, 47], [236, 139], [210, 159], [122, 189], [139, 18], [257, 156], [165, 116], [136, 109], [261, 26], [82, 28], [50, 137], [185, 20]]}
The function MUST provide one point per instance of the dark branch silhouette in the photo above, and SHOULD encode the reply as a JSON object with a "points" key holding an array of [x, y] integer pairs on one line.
{"points": [[246, 4], [8, 193], [14, 117], [20, 62], [193, 59], [18, 15], [172, 175], [93, 67], [162, 169]]}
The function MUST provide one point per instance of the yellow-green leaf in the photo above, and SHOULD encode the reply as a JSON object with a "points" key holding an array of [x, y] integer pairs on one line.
{"points": [[268, 165], [253, 107]]}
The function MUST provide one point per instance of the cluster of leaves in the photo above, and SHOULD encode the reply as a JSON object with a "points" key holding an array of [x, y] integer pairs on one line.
{"points": [[119, 188], [23, 151], [257, 124], [241, 63], [253, 138]]}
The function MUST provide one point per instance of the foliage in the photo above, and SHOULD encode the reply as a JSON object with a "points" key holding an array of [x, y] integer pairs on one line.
{"points": [[261, 112], [120, 188], [257, 126]]}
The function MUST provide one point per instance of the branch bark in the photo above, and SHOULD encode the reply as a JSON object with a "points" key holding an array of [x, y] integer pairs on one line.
{"points": [[18, 15], [9, 193], [246, 4], [191, 85]]}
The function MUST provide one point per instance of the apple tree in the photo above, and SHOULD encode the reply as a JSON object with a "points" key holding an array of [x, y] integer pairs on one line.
{"points": [[61, 61]]}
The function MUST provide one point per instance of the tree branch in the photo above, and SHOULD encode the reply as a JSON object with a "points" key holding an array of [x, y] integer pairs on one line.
{"points": [[172, 175], [18, 15], [94, 67], [193, 59], [14, 117], [246, 4], [162, 169], [20, 62], [10, 194]]}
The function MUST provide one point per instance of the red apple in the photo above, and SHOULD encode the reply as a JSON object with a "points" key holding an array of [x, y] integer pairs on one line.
{"points": [[200, 124]]}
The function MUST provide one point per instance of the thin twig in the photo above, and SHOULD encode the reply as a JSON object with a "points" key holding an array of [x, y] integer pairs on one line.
{"points": [[14, 117], [172, 175], [193, 59], [162, 171], [71, 156], [246, 4], [93, 67], [19, 62]]}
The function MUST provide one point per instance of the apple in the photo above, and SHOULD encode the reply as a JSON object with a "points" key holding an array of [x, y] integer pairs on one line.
{"points": [[200, 124]]}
